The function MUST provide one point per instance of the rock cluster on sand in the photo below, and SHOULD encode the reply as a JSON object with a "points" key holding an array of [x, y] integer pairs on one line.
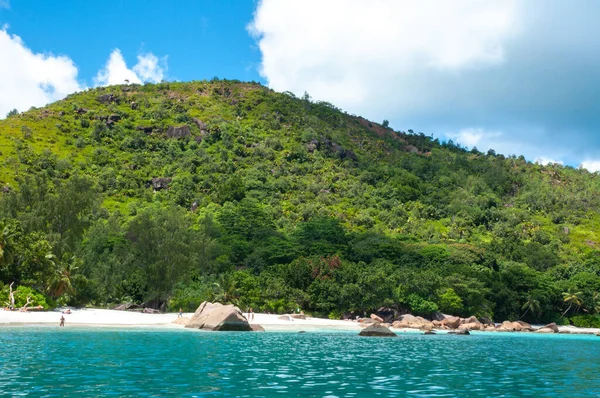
{"points": [[549, 328], [457, 325], [413, 322], [219, 317]]}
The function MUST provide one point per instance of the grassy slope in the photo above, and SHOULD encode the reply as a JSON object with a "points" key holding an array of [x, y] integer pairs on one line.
{"points": [[264, 138]]}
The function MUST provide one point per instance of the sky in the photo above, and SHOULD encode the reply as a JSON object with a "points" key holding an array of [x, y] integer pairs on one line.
{"points": [[520, 77]]}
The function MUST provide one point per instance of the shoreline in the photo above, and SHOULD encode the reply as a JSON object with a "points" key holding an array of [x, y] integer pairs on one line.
{"points": [[103, 318]]}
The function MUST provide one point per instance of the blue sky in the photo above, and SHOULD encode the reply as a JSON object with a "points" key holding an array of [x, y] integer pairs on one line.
{"points": [[201, 39], [519, 77]]}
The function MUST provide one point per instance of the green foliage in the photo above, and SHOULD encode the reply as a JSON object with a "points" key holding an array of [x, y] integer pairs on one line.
{"points": [[585, 321], [21, 294], [420, 306], [278, 203], [450, 302]]}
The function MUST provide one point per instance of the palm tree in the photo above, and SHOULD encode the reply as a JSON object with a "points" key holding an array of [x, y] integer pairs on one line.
{"points": [[594, 308], [64, 275], [7, 234], [573, 298], [225, 290], [532, 305]]}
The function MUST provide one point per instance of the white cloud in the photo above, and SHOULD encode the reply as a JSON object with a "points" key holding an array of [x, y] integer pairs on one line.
{"points": [[149, 68], [346, 51], [472, 137], [29, 79], [591, 165], [522, 68], [34, 79], [546, 161]]}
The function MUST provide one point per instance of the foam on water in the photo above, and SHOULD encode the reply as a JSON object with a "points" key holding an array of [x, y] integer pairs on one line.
{"points": [[133, 362]]}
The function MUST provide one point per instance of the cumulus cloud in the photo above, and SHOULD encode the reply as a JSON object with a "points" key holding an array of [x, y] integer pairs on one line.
{"points": [[524, 68], [29, 79], [472, 137], [591, 165], [343, 50], [149, 68], [35, 79], [546, 161]]}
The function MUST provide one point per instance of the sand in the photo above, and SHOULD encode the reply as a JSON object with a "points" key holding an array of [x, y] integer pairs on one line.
{"points": [[112, 318], [91, 317]]}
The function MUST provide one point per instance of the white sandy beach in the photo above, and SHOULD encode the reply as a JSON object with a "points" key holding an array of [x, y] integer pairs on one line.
{"points": [[127, 319], [113, 318]]}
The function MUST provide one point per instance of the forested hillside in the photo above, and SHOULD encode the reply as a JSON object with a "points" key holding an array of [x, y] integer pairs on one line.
{"points": [[174, 193]]}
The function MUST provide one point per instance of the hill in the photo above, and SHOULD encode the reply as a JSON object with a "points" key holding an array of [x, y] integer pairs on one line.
{"points": [[172, 193]]}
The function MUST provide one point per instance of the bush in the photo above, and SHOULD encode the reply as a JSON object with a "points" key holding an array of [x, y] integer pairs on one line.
{"points": [[585, 321], [420, 306], [190, 296], [21, 293]]}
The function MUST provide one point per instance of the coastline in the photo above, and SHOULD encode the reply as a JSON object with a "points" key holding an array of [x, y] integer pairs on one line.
{"points": [[127, 319], [103, 318]]}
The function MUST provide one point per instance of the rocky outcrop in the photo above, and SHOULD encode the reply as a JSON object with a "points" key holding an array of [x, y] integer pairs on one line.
{"points": [[125, 306], [549, 328], [470, 319], [201, 125], [376, 318], [451, 321], [178, 132], [508, 326], [106, 98], [219, 317], [545, 330], [366, 320], [145, 129], [377, 330], [413, 322], [161, 183], [486, 320], [257, 328], [298, 316], [552, 326], [471, 326]]}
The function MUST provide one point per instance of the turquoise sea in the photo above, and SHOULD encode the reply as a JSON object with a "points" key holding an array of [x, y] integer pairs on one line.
{"points": [[55, 362]]}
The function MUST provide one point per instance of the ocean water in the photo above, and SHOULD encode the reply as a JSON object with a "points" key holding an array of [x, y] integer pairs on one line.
{"points": [[57, 362]]}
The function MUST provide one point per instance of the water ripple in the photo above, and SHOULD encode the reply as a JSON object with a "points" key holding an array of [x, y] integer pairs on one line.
{"points": [[54, 362]]}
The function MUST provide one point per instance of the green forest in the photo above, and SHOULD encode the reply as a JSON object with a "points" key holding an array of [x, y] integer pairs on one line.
{"points": [[170, 194]]}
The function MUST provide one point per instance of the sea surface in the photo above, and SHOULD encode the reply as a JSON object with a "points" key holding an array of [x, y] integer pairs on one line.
{"points": [[58, 362]]}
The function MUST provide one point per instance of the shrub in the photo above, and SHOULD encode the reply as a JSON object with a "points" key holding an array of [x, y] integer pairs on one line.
{"points": [[585, 321], [21, 293]]}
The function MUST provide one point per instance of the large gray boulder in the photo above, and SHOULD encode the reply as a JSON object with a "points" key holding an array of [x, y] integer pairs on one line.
{"points": [[377, 330], [219, 317], [451, 321], [413, 322], [178, 131], [549, 328]]}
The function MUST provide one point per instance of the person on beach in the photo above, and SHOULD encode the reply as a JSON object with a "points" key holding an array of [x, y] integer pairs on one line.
{"points": [[180, 313], [250, 314], [62, 320]]}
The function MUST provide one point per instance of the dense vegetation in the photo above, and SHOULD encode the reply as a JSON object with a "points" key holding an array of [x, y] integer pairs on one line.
{"points": [[173, 193]]}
